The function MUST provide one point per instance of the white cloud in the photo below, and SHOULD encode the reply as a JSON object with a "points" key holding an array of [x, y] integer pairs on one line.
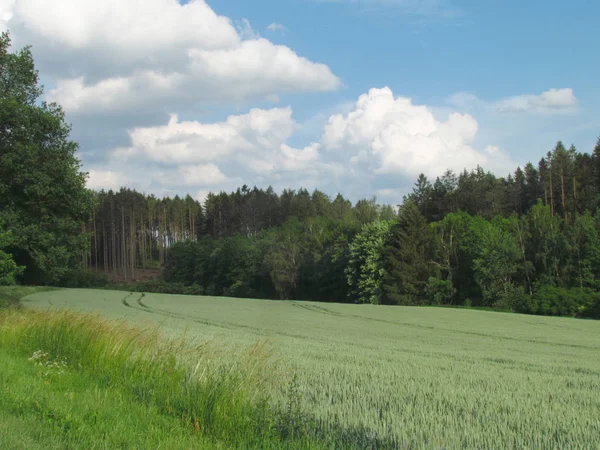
{"points": [[276, 27], [361, 151], [105, 179], [201, 175], [6, 12], [112, 55], [249, 149], [551, 101], [246, 31], [395, 136], [191, 142]]}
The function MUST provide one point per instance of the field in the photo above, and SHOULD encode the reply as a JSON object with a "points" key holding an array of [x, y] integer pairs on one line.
{"points": [[402, 377]]}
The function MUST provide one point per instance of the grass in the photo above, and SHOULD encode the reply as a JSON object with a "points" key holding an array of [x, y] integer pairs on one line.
{"points": [[92, 383], [400, 377], [42, 409]]}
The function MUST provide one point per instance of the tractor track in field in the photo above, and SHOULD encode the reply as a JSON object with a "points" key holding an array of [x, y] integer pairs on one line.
{"points": [[322, 310], [261, 332], [317, 309], [141, 306], [136, 302]]}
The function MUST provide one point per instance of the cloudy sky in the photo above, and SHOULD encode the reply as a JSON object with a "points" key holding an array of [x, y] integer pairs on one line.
{"points": [[357, 96]]}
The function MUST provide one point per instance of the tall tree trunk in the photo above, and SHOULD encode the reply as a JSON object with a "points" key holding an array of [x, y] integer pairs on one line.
{"points": [[562, 188], [104, 247], [123, 246], [95, 241], [113, 239], [132, 234], [551, 195]]}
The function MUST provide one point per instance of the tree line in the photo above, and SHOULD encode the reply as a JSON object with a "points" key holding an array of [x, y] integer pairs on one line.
{"points": [[527, 242]]}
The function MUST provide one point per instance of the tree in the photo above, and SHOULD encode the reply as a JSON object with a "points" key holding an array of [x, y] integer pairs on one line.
{"points": [[495, 263], [9, 270], [584, 245], [439, 291], [407, 258], [422, 195], [366, 211], [286, 259], [454, 257], [364, 272], [42, 190]]}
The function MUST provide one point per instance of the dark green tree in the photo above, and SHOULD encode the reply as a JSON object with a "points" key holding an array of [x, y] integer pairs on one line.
{"points": [[42, 190], [408, 258]]}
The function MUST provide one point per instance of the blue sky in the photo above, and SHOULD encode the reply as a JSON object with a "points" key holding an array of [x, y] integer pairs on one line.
{"points": [[491, 49], [467, 83]]}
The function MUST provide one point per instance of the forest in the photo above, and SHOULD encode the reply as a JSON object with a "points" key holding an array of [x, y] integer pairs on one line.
{"points": [[528, 242]]}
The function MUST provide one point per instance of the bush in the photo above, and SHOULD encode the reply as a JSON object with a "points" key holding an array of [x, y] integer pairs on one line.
{"points": [[79, 278], [439, 291], [180, 266], [162, 287], [556, 301], [592, 309]]}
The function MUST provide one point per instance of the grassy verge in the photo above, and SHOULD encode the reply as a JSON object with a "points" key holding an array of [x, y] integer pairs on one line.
{"points": [[99, 384], [46, 406]]}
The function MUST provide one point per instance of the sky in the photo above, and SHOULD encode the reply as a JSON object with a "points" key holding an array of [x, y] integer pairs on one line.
{"points": [[352, 96]]}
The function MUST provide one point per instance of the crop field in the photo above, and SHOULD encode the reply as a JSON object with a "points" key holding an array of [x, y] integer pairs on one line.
{"points": [[403, 377]]}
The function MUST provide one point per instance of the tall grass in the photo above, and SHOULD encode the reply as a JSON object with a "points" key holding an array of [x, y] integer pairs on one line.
{"points": [[224, 402]]}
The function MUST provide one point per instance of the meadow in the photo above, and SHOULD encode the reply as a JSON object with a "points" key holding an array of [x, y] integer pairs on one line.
{"points": [[398, 377]]}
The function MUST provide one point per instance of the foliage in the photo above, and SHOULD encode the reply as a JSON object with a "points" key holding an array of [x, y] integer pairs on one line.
{"points": [[364, 273], [42, 191], [439, 291], [163, 287], [407, 258], [9, 270], [78, 278], [557, 301], [495, 262]]}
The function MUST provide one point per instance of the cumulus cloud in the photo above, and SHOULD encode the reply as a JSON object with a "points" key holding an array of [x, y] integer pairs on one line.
{"points": [[553, 100], [251, 148], [359, 152], [108, 55], [396, 136], [105, 179], [252, 135]]}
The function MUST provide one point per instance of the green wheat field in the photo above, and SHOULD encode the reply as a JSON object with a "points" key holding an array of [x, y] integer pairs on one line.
{"points": [[407, 376]]}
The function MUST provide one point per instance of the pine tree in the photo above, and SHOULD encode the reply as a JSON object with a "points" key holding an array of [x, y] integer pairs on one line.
{"points": [[407, 258]]}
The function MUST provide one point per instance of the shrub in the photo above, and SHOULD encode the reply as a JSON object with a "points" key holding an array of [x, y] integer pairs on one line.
{"points": [[180, 266], [79, 278], [162, 287], [557, 301], [439, 291]]}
